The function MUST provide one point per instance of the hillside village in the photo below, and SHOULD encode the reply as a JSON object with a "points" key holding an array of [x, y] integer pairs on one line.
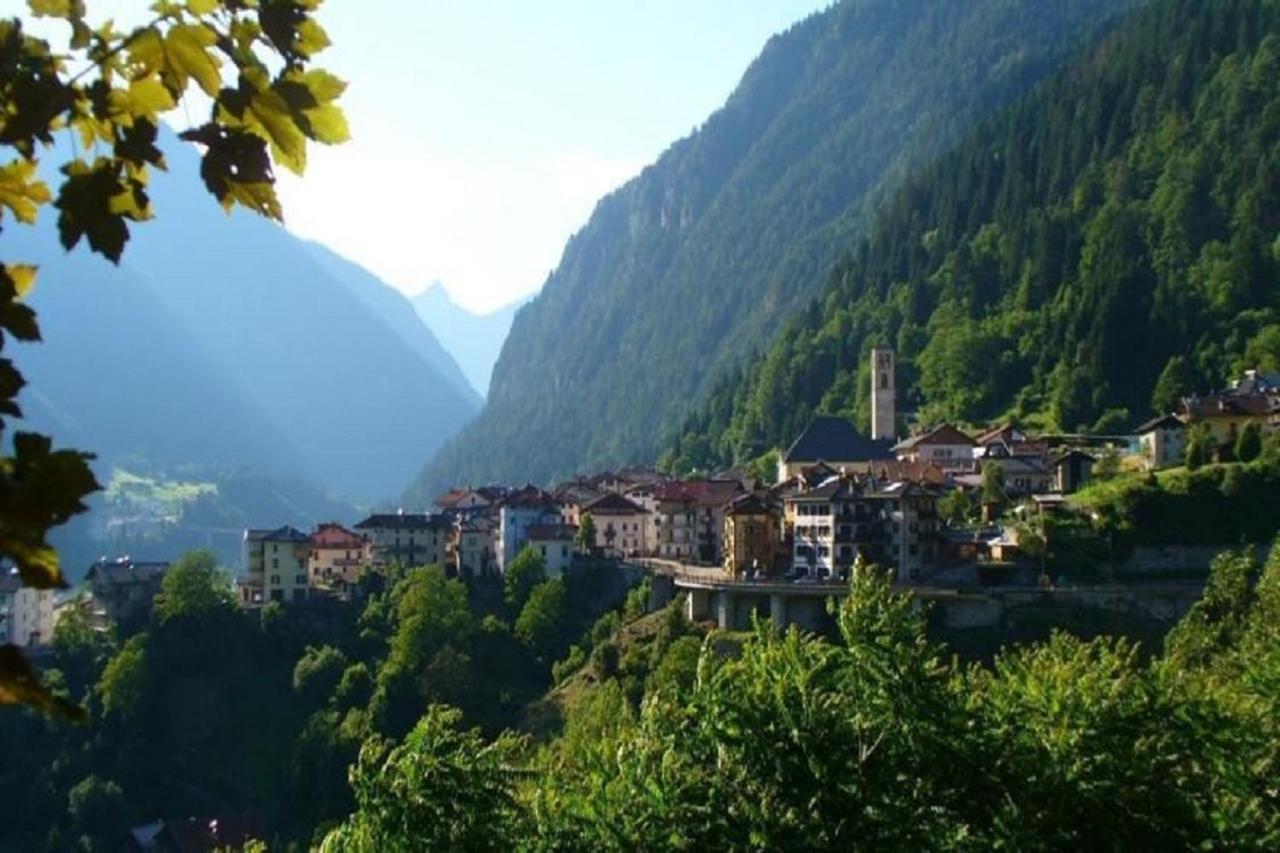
{"points": [[942, 506]]}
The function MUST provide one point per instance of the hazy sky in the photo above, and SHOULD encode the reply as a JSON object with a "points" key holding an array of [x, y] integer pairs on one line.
{"points": [[484, 131]]}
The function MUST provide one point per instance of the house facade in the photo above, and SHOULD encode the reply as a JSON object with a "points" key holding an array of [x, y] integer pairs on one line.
{"points": [[752, 536], [1162, 442], [124, 590], [944, 446], [27, 615], [1255, 399], [276, 567], [337, 556], [622, 526], [408, 539], [555, 543], [522, 509], [474, 547]]}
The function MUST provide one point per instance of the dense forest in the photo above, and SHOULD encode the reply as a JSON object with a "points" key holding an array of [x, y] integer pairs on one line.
{"points": [[1108, 243], [210, 710], [694, 265], [878, 741], [416, 720]]}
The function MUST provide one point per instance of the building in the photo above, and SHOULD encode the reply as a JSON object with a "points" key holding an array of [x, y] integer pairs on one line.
{"points": [[944, 446], [337, 556], [622, 525], [124, 590], [276, 566], [470, 502], [1255, 399], [474, 547], [1072, 470], [909, 528], [752, 535], [835, 442], [1162, 441], [520, 510], [689, 519], [833, 524], [408, 539], [27, 614], [884, 415], [555, 543]]}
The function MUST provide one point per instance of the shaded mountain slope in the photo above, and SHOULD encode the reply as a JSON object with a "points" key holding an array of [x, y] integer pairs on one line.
{"points": [[693, 265]]}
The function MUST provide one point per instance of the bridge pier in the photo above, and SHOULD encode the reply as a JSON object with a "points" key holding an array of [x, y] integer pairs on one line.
{"points": [[661, 591], [778, 611], [698, 605], [726, 604]]}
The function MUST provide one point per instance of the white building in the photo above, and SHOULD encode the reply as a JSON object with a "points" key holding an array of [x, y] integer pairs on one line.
{"points": [[27, 615], [522, 509]]}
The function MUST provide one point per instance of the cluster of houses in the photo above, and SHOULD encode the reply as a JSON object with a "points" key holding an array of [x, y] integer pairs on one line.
{"points": [[838, 496]]}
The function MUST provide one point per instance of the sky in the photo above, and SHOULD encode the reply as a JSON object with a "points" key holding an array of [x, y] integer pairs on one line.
{"points": [[484, 131]]}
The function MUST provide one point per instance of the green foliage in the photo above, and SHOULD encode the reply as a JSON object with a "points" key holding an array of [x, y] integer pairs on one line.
{"points": [[1213, 505], [1101, 246], [443, 788], [124, 680], [96, 808], [1200, 448], [571, 663], [355, 688], [993, 485], [586, 536], [318, 673], [542, 619], [1249, 444], [427, 656], [193, 589], [956, 508], [526, 571]]}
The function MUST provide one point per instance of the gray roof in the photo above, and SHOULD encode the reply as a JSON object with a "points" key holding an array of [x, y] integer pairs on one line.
{"points": [[833, 439]]}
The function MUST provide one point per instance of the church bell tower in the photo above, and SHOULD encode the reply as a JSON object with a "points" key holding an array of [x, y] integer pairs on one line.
{"points": [[883, 393]]}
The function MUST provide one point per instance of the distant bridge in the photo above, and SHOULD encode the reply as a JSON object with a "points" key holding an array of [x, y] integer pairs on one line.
{"points": [[712, 593]]}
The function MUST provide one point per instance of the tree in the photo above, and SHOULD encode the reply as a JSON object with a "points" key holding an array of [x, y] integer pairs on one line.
{"points": [[123, 685], [1174, 382], [993, 486], [541, 620], [444, 788], [109, 89], [526, 571], [1108, 464], [586, 537], [193, 588], [956, 508], [1199, 447], [1249, 444], [97, 813], [318, 672]]}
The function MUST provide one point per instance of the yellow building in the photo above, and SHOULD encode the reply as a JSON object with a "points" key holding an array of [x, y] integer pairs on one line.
{"points": [[337, 556], [276, 566], [752, 536], [1255, 399]]}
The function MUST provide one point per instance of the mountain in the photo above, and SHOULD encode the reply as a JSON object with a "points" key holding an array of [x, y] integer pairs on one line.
{"points": [[224, 351], [1083, 259], [693, 266], [396, 311], [475, 340]]}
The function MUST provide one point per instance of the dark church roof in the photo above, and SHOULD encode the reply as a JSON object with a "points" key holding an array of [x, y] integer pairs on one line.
{"points": [[832, 439]]}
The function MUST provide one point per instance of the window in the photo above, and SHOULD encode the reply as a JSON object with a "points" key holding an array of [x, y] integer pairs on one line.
{"points": [[884, 381], [300, 580], [275, 580], [275, 562]]}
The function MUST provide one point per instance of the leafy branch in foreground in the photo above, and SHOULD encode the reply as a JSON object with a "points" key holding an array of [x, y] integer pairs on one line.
{"points": [[107, 91]]}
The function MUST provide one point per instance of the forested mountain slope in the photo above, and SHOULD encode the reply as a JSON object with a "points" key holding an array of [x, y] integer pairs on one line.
{"points": [[693, 265], [1108, 242]]}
